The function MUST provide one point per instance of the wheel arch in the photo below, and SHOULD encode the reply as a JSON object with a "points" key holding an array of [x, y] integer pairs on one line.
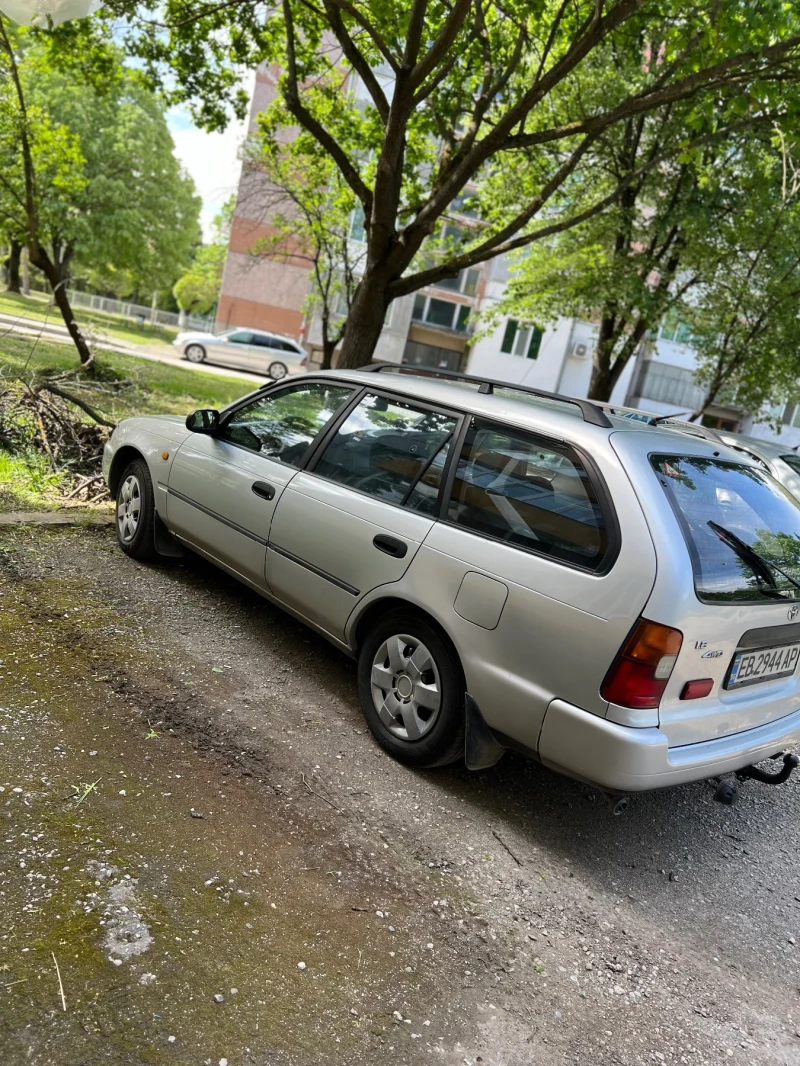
{"points": [[382, 606], [124, 455]]}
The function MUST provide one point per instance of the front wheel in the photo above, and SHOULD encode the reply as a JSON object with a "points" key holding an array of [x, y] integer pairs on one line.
{"points": [[277, 371], [196, 353], [412, 691], [136, 511]]}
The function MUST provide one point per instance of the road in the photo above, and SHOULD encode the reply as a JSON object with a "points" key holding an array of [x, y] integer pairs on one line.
{"points": [[193, 807]]}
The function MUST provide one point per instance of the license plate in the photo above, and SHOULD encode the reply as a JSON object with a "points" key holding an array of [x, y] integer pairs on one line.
{"points": [[763, 665]]}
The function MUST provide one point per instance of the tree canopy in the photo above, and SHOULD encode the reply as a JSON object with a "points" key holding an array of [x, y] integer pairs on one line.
{"points": [[88, 178], [506, 102]]}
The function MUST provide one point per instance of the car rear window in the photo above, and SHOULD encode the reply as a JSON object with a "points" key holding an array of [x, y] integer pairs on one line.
{"points": [[724, 509]]}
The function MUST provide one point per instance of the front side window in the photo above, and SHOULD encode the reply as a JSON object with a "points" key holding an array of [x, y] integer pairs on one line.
{"points": [[240, 338], [742, 529], [392, 450], [283, 424], [531, 493], [792, 460]]}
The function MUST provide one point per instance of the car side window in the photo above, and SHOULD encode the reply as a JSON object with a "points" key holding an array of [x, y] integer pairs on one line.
{"points": [[240, 338], [529, 493], [391, 450], [281, 425]]}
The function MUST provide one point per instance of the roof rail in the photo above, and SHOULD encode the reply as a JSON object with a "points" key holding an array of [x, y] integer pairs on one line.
{"points": [[591, 412]]}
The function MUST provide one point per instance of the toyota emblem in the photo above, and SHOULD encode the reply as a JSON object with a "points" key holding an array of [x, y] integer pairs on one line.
{"points": [[792, 612]]}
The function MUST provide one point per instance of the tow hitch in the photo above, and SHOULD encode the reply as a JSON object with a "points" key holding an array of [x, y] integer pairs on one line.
{"points": [[727, 791], [790, 761]]}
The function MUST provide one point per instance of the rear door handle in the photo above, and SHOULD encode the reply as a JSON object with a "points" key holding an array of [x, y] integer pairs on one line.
{"points": [[390, 545], [261, 488]]}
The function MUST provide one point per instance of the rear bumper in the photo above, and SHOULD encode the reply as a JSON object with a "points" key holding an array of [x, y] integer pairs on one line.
{"points": [[623, 759]]}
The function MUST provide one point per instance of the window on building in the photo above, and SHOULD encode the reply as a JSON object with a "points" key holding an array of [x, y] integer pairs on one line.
{"points": [[521, 340], [442, 313], [466, 282], [466, 203], [669, 384], [358, 229], [673, 329], [791, 415]]}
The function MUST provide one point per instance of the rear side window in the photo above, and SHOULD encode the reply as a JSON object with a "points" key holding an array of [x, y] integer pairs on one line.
{"points": [[391, 450], [742, 529], [530, 493]]}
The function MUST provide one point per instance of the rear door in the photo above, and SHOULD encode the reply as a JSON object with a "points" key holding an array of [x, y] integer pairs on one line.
{"points": [[223, 489], [356, 519]]}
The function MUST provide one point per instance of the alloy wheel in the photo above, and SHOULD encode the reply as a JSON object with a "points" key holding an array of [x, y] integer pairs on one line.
{"points": [[129, 507]]}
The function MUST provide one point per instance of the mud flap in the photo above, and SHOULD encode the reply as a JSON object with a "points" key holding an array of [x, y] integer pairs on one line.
{"points": [[166, 544], [482, 749]]}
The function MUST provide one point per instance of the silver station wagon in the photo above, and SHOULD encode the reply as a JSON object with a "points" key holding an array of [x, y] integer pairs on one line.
{"points": [[510, 568]]}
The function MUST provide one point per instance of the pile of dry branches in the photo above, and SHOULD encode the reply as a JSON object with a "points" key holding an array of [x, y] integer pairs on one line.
{"points": [[48, 417]]}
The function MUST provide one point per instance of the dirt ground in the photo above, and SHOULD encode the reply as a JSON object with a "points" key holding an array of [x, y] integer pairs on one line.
{"points": [[204, 851]]}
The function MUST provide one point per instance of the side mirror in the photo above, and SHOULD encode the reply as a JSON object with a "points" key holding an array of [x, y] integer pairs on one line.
{"points": [[205, 421]]}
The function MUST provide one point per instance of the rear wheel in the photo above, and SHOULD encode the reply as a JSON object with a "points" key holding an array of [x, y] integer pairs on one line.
{"points": [[277, 371], [411, 691], [136, 511], [195, 353]]}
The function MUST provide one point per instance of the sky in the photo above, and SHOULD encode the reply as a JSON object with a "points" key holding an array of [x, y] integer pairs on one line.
{"points": [[212, 159]]}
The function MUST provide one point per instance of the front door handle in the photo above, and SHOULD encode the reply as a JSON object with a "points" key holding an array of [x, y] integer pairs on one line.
{"points": [[261, 488], [390, 545]]}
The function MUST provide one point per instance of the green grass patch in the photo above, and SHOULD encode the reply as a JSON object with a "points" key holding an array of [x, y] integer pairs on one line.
{"points": [[28, 484], [35, 307], [125, 385]]}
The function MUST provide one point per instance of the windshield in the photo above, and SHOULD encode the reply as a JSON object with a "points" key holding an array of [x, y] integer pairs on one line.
{"points": [[744, 502]]}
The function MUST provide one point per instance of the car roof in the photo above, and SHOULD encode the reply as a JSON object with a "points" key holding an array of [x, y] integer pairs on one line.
{"points": [[554, 417]]}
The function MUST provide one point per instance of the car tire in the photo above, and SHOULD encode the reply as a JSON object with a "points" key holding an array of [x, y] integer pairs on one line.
{"points": [[277, 371], [136, 512], [420, 720], [195, 353]]}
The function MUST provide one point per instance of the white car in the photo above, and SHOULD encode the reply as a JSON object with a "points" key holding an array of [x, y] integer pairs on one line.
{"points": [[269, 354]]}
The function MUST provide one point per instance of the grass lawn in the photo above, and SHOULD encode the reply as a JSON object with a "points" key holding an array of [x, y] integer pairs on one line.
{"points": [[125, 386], [124, 329]]}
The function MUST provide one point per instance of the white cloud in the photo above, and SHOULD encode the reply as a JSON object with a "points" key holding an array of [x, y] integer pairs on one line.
{"points": [[212, 159]]}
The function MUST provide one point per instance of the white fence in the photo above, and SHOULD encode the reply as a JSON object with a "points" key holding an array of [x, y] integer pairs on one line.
{"points": [[136, 311], [129, 310]]}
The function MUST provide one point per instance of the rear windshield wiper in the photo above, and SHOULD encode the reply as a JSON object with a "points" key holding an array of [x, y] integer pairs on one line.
{"points": [[761, 567]]}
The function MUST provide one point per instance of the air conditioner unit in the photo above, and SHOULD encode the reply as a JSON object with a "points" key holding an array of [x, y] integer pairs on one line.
{"points": [[580, 351]]}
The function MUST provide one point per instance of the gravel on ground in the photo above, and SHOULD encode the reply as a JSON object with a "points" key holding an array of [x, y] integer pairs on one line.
{"points": [[204, 858]]}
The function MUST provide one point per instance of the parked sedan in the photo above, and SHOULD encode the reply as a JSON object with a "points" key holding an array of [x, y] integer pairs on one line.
{"points": [[614, 598], [246, 349]]}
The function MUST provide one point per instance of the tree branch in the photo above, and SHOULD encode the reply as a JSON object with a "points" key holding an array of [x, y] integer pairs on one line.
{"points": [[314, 127], [356, 59]]}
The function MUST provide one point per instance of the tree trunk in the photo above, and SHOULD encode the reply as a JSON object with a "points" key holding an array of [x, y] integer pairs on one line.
{"points": [[13, 277], [364, 324], [58, 283], [26, 273]]}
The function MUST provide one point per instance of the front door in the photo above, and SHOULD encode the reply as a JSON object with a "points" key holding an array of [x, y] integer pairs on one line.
{"points": [[237, 349], [224, 488], [356, 521]]}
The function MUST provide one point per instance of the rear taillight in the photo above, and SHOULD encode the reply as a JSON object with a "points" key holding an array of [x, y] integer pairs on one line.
{"points": [[641, 671]]}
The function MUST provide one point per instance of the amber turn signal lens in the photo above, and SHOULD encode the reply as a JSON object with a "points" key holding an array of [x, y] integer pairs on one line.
{"points": [[641, 670], [165, 455]]}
